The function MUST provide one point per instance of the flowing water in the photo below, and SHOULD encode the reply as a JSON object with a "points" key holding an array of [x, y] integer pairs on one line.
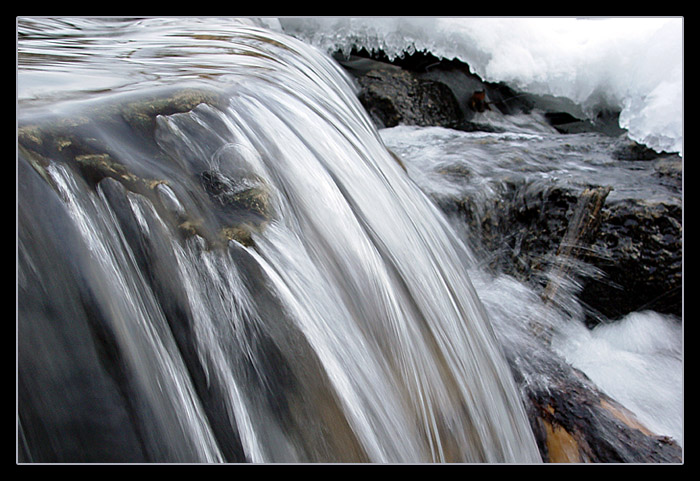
{"points": [[350, 331], [248, 276], [623, 357]]}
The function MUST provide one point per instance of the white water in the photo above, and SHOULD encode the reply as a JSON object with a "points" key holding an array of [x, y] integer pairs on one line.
{"points": [[627, 358], [638, 360], [357, 254], [634, 65]]}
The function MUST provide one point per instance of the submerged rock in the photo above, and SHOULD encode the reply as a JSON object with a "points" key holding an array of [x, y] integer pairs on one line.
{"points": [[86, 141], [141, 113], [245, 202], [95, 167]]}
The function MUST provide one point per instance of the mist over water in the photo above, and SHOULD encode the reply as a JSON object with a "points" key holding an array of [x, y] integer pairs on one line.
{"points": [[256, 279]]}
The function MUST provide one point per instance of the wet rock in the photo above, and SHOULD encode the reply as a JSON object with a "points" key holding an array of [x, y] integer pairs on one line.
{"points": [[96, 167], [394, 97], [141, 112], [244, 204], [248, 193], [85, 142], [630, 261], [628, 149], [573, 422], [519, 230], [639, 250], [670, 170], [394, 91], [454, 74]]}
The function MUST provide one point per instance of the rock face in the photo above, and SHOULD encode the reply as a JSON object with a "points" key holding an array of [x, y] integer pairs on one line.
{"points": [[633, 256]]}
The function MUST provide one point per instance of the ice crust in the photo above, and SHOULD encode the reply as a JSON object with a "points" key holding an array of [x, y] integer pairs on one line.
{"points": [[634, 65]]}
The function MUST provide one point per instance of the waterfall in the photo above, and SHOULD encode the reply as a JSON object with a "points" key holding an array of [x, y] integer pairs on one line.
{"points": [[252, 278]]}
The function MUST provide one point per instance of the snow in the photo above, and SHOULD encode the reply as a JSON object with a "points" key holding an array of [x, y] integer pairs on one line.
{"points": [[634, 65]]}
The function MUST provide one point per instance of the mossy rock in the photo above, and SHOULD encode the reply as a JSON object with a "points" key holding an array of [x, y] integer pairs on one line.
{"points": [[242, 199], [141, 113], [246, 192], [96, 167]]}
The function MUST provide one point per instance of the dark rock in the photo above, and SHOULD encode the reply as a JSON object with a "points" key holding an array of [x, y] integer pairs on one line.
{"points": [[421, 89], [631, 150], [519, 231], [565, 122], [394, 97], [453, 73], [639, 251], [573, 422], [631, 261], [396, 101], [559, 118]]}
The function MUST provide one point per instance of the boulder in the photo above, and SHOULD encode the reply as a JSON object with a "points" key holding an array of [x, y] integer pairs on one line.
{"points": [[394, 97], [421, 89], [423, 67]]}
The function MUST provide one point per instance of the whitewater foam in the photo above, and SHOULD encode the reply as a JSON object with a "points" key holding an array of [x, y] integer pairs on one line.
{"points": [[624, 358]]}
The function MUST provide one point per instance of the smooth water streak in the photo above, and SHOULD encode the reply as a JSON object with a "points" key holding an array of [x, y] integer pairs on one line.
{"points": [[347, 330]]}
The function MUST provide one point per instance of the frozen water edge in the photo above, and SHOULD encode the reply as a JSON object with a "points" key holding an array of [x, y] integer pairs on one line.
{"points": [[634, 65]]}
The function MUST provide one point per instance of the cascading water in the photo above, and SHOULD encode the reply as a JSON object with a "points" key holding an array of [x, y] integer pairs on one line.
{"points": [[250, 278]]}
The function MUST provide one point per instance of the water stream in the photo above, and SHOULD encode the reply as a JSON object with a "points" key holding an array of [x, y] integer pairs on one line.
{"points": [[249, 278]]}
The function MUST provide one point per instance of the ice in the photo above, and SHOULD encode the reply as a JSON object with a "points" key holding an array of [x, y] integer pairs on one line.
{"points": [[634, 65]]}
